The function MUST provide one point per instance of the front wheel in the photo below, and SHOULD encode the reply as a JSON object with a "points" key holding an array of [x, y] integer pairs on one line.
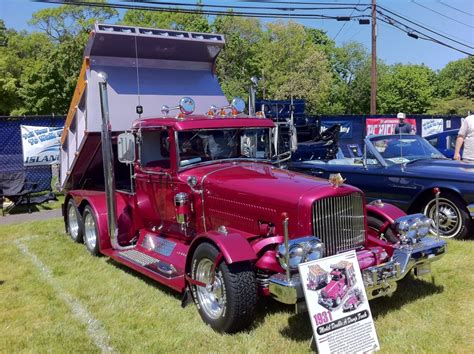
{"points": [[228, 303], [454, 220], [91, 233]]}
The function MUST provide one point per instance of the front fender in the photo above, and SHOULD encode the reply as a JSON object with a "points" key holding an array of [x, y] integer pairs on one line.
{"points": [[234, 246], [385, 211]]}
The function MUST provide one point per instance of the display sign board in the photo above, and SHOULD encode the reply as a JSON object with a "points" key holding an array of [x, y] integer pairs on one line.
{"points": [[337, 304], [431, 126], [40, 145], [346, 127], [385, 126]]}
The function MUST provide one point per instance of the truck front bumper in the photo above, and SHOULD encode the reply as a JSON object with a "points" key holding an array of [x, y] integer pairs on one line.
{"points": [[379, 280]]}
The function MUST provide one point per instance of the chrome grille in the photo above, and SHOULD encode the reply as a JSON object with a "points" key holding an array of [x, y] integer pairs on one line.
{"points": [[339, 222]]}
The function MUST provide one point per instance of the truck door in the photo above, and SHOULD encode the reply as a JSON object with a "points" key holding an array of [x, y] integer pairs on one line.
{"points": [[153, 179]]}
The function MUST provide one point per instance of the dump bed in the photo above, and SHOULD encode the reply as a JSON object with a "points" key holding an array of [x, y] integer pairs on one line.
{"points": [[147, 67]]}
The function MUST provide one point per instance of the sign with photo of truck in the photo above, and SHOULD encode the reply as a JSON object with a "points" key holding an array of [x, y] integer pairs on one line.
{"points": [[339, 312]]}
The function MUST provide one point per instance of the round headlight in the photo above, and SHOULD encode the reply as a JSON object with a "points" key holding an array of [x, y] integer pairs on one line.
{"points": [[301, 250]]}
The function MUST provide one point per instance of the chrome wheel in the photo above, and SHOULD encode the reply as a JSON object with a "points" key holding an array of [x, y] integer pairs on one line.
{"points": [[212, 296], [74, 222], [90, 231], [450, 220]]}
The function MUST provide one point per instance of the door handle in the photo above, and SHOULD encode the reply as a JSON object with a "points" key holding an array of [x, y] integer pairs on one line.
{"points": [[317, 172]]}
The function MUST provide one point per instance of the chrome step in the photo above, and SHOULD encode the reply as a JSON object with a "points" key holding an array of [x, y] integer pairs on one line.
{"points": [[153, 264]]}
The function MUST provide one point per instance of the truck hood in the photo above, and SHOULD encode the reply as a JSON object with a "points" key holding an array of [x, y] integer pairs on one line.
{"points": [[330, 289], [245, 194]]}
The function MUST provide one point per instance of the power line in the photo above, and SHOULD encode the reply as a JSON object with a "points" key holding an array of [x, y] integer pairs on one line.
{"points": [[286, 8], [204, 12], [344, 24], [417, 34], [441, 14], [421, 26], [455, 8]]}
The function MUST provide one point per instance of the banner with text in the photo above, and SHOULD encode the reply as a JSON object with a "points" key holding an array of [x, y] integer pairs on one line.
{"points": [[431, 126], [346, 127], [337, 304], [385, 126], [40, 145]]}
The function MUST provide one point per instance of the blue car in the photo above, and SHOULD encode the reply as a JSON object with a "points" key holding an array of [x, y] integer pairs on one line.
{"points": [[404, 170], [445, 142]]}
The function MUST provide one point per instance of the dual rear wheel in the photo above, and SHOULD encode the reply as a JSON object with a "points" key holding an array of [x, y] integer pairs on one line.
{"points": [[82, 227]]}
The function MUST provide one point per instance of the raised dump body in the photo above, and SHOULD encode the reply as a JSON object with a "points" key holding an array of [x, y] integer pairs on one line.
{"points": [[147, 67]]}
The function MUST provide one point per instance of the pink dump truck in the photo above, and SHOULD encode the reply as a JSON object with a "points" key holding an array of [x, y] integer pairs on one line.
{"points": [[163, 175]]}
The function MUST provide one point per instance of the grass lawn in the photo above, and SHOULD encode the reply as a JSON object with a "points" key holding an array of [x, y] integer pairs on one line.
{"points": [[51, 290]]}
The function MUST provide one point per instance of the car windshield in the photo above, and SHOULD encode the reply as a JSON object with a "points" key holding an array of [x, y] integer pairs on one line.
{"points": [[201, 145], [399, 149]]}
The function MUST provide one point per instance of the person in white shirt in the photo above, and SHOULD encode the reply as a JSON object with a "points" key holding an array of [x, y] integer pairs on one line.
{"points": [[466, 138]]}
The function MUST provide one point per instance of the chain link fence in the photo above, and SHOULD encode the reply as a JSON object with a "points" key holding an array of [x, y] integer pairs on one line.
{"points": [[11, 153]]}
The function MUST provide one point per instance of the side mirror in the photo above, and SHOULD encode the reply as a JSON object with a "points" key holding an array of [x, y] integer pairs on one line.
{"points": [[238, 104], [126, 148]]}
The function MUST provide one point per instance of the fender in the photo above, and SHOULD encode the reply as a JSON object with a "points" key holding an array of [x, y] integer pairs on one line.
{"points": [[385, 211], [97, 201], [234, 246]]}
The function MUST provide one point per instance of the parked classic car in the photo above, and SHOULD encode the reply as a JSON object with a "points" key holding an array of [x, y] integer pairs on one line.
{"points": [[445, 141], [403, 170]]}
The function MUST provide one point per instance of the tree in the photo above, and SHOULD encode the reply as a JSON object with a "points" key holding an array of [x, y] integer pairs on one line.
{"points": [[237, 62], [47, 83], [196, 22], [407, 88], [293, 64]]}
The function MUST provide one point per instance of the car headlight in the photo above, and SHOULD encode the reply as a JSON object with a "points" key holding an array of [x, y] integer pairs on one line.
{"points": [[301, 250], [413, 227]]}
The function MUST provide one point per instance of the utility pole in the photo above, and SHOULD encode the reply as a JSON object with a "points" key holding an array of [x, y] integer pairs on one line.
{"points": [[373, 70]]}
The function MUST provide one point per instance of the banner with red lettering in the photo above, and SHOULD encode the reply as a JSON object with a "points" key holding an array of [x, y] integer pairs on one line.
{"points": [[385, 126]]}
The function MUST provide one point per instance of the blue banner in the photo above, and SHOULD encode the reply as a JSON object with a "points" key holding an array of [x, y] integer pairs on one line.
{"points": [[346, 127]]}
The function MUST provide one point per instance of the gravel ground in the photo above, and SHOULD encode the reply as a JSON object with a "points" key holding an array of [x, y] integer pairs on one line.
{"points": [[25, 217]]}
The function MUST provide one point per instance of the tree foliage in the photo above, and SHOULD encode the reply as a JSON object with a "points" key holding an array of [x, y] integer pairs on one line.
{"points": [[38, 70]]}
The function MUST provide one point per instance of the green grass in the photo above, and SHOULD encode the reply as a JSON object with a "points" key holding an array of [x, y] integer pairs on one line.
{"points": [[139, 315]]}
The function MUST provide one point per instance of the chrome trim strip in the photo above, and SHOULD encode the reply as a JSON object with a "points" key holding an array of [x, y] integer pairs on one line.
{"points": [[470, 209]]}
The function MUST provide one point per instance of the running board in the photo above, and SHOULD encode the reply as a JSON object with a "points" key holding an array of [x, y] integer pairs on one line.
{"points": [[150, 263]]}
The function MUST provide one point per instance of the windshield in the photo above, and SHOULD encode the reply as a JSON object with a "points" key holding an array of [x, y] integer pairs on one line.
{"points": [[201, 145], [398, 149]]}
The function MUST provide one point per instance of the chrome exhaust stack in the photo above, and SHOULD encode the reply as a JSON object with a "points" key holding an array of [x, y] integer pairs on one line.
{"points": [[108, 161]]}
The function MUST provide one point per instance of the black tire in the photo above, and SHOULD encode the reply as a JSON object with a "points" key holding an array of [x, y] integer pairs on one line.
{"points": [[455, 221], [376, 224], [74, 225], [230, 305], [91, 231]]}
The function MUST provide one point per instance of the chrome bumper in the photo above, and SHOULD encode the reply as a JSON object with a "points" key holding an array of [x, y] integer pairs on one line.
{"points": [[378, 280], [470, 209]]}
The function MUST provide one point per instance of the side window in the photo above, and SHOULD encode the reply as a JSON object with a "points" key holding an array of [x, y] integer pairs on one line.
{"points": [[433, 142], [451, 142], [371, 160], [154, 149]]}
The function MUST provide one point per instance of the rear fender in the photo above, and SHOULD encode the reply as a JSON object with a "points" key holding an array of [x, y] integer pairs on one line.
{"points": [[233, 246], [97, 201]]}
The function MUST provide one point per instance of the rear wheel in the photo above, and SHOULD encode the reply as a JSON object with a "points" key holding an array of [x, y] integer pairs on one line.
{"points": [[74, 222], [91, 233], [376, 225], [228, 303], [454, 220]]}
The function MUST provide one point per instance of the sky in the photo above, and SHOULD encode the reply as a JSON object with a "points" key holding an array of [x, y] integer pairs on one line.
{"points": [[452, 18]]}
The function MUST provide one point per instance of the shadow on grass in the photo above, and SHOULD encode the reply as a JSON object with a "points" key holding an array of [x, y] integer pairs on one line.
{"points": [[299, 329], [149, 281], [409, 289]]}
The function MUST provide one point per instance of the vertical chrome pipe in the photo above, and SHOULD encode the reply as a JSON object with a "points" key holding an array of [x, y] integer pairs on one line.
{"points": [[108, 161], [287, 251], [437, 192]]}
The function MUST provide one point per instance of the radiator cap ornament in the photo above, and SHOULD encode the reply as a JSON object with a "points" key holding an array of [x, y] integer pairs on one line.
{"points": [[336, 180]]}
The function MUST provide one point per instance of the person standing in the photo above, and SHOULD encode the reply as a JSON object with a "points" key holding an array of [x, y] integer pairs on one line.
{"points": [[466, 138], [403, 127]]}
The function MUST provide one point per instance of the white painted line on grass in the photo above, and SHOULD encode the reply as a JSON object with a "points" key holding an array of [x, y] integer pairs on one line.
{"points": [[94, 327]]}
